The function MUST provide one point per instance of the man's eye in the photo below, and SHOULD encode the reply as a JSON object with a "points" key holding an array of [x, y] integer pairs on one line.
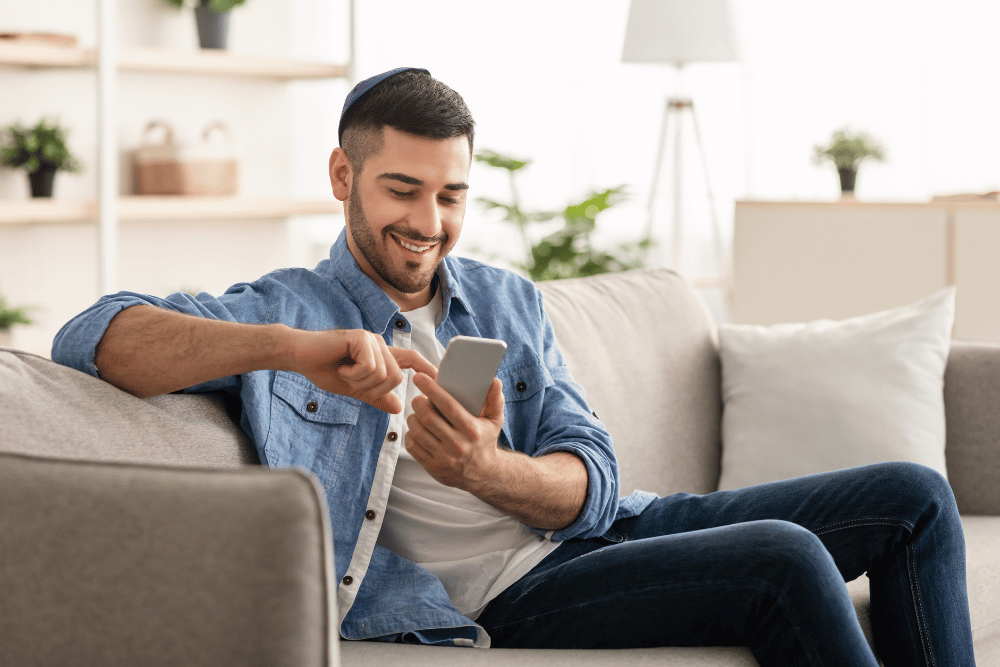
{"points": [[449, 200], [400, 193]]}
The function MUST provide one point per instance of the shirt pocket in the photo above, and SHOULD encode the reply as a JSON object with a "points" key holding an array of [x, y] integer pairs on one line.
{"points": [[523, 395], [309, 427], [523, 381]]}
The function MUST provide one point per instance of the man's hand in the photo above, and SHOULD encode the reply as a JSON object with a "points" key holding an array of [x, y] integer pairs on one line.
{"points": [[456, 448], [355, 363], [460, 450]]}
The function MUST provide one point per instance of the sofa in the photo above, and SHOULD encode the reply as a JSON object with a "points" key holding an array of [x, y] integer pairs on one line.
{"points": [[145, 532]]}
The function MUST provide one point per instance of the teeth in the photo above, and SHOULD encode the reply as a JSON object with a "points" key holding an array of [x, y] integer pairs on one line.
{"points": [[414, 248]]}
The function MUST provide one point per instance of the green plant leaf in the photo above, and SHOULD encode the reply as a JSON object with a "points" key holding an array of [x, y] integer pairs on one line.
{"points": [[494, 159], [43, 145], [566, 252], [847, 149], [9, 316]]}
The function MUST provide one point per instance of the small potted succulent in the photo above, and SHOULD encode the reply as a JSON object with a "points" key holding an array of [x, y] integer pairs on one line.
{"points": [[847, 150], [41, 150], [212, 18], [10, 316]]}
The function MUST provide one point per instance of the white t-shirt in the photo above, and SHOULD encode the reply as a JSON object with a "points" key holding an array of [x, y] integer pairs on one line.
{"points": [[473, 548]]}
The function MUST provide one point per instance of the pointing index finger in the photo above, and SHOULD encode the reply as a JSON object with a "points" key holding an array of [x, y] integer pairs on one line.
{"points": [[413, 359]]}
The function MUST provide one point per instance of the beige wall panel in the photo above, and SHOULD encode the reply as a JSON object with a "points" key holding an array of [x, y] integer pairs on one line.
{"points": [[977, 273], [801, 262]]}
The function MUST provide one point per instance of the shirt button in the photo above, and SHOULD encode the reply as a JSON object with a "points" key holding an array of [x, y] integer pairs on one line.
{"points": [[348, 580], [521, 386], [312, 406], [393, 436], [400, 324], [370, 515]]}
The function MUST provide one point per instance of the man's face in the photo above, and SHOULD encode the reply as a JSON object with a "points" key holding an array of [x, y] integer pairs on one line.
{"points": [[405, 212]]}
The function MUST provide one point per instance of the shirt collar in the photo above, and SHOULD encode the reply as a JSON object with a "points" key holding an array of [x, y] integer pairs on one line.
{"points": [[375, 305], [451, 287]]}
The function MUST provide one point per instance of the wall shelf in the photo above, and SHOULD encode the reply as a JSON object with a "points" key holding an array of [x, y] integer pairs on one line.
{"points": [[164, 208], [163, 61]]}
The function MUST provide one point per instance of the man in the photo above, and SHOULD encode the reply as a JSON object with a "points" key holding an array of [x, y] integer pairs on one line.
{"points": [[463, 529]]}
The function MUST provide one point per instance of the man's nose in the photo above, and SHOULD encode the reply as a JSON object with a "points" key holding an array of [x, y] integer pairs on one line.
{"points": [[426, 219]]}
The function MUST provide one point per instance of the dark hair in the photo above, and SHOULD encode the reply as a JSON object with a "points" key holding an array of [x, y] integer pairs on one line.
{"points": [[411, 101]]}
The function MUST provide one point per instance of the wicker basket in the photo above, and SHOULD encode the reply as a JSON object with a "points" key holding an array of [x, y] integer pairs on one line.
{"points": [[170, 169]]}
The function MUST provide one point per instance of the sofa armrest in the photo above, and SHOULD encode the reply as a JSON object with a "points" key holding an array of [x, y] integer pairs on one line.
{"points": [[121, 564], [972, 411]]}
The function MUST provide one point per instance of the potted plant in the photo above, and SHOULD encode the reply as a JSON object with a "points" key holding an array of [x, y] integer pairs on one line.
{"points": [[41, 150], [212, 18], [567, 252], [9, 316], [847, 150]]}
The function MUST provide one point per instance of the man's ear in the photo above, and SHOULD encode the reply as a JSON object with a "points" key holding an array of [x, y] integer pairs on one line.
{"points": [[341, 174]]}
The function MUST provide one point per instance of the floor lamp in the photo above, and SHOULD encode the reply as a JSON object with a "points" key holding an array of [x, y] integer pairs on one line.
{"points": [[679, 32]]}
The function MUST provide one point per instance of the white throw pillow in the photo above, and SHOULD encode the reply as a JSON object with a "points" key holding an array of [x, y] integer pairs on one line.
{"points": [[807, 398]]}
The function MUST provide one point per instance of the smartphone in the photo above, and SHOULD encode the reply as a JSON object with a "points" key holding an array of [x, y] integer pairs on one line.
{"points": [[468, 369]]}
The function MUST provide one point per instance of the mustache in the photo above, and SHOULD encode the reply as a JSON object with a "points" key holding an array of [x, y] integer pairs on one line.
{"points": [[410, 234]]}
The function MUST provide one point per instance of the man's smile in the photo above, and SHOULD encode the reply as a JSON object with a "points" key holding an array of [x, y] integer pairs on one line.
{"points": [[413, 247]]}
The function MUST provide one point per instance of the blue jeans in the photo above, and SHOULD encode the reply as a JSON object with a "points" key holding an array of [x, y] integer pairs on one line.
{"points": [[763, 567]]}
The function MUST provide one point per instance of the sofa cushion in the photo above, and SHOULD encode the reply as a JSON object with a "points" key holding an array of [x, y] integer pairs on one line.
{"points": [[51, 410], [808, 398], [642, 344]]}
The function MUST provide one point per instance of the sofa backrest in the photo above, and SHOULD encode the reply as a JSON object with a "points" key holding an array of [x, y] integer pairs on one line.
{"points": [[643, 345], [51, 410]]}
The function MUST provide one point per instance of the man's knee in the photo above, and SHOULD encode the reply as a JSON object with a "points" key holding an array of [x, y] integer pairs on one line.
{"points": [[918, 483], [782, 546]]}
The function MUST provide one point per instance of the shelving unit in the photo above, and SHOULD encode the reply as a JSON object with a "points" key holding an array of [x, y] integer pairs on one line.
{"points": [[38, 56], [75, 248]]}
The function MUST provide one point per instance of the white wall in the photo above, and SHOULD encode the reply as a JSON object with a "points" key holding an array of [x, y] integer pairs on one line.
{"points": [[545, 81]]}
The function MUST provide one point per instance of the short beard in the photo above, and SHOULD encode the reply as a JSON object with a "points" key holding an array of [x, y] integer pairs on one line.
{"points": [[406, 282]]}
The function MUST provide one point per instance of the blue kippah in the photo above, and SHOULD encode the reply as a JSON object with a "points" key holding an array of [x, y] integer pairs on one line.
{"points": [[363, 88]]}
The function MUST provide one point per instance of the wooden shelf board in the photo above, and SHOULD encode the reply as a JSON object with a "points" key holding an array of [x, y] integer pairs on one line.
{"points": [[204, 62], [44, 56], [225, 63], [165, 208]]}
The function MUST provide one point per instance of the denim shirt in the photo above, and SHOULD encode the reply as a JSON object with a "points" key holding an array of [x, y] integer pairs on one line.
{"points": [[347, 443]]}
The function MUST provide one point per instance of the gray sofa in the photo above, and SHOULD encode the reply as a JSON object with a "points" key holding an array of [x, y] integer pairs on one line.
{"points": [[142, 532]]}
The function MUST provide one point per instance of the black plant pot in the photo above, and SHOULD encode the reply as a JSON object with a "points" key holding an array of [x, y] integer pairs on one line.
{"points": [[213, 29], [847, 179], [41, 181]]}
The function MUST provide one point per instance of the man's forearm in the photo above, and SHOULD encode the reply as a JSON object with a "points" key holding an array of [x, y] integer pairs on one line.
{"points": [[148, 351], [546, 492]]}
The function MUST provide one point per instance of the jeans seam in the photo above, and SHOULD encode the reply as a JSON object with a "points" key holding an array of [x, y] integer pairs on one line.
{"points": [[911, 571], [866, 521], [918, 604]]}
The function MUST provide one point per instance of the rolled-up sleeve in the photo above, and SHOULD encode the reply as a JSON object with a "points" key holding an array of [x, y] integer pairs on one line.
{"points": [[566, 423], [583, 435]]}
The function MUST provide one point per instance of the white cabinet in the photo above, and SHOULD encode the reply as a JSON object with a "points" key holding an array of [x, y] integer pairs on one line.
{"points": [[801, 261]]}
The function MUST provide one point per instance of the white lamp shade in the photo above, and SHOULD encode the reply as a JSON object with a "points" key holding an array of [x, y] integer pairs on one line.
{"points": [[679, 32]]}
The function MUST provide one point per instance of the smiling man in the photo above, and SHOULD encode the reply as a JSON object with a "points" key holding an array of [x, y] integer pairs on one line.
{"points": [[507, 526]]}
